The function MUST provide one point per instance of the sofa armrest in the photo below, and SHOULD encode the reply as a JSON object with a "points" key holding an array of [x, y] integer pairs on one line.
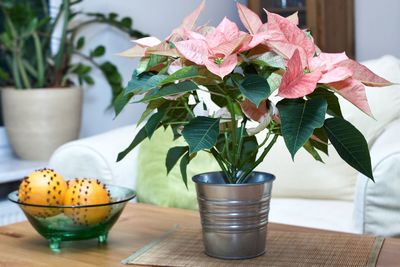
{"points": [[377, 205], [95, 157]]}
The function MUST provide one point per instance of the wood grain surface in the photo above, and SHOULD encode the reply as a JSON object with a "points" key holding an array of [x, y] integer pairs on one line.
{"points": [[139, 224]]}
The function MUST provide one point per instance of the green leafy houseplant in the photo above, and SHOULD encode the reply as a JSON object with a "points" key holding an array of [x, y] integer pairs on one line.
{"points": [[218, 87], [50, 115], [26, 45]]}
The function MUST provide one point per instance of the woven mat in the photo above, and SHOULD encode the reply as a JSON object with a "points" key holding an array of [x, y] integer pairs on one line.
{"points": [[184, 247]]}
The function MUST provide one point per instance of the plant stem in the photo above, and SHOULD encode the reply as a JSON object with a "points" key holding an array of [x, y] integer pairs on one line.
{"points": [[234, 140], [10, 24], [107, 22], [210, 92], [31, 70], [60, 53], [86, 23], [265, 139], [17, 78], [39, 59], [54, 23], [16, 74], [188, 108], [220, 161], [254, 153], [226, 146], [196, 97], [177, 122], [244, 176], [224, 94], [242, 127], [45, 7], [87, 58], [24, 75]]}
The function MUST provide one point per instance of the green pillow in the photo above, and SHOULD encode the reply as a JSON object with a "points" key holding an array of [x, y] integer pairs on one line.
{"points": [[154, 186]]}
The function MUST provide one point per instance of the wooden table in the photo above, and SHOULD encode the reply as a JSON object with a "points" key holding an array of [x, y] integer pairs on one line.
{"points": [[139, 224]]}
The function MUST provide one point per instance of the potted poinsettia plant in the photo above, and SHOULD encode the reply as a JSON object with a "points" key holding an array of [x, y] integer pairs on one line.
{"points": [[219, 87], [42, 95]]}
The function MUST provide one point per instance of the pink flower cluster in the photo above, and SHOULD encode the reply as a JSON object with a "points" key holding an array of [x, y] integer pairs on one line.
{"points": [[222, 48]]}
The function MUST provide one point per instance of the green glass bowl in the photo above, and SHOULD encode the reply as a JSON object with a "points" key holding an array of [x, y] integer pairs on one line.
{"points": [[60, 225]]}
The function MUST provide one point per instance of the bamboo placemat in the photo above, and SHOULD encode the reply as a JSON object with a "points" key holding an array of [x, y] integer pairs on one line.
{"points": [[184, 247]]}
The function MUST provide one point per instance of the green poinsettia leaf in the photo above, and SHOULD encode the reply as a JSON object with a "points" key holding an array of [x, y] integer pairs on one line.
{"points": [[151, 106], [320, 141], [153, 123], [139, 79], [155, 60], [173, 155], [331, 99], [270, 59], [309, 147], [185, 73], [120, 102], [171, 89], [183, 167], [350, 144], [299, 119], [274, 81], [201, 133], [248, 153], [142, 65], [145, 114], [140, 84], [140, 136], [254, 87]]}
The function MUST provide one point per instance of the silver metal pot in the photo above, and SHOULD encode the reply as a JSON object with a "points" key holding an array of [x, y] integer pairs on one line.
{"points": [[234, 216]]}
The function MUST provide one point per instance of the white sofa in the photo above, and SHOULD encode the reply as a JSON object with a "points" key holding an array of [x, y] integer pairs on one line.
{"points": [[306, 193]]}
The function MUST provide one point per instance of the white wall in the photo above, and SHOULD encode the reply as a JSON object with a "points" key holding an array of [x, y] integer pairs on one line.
{"points": [[155, 17], [377, 28]]}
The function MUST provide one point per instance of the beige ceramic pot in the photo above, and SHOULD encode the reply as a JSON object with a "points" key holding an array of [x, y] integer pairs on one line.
{"points": [[38, 121]]}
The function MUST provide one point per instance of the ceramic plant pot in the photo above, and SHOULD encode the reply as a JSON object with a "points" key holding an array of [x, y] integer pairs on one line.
{"points": [[38, 121], [234, 217]]}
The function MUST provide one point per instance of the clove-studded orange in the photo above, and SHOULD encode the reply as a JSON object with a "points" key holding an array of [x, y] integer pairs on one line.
{"points": [[42, 187], [82, 192]]}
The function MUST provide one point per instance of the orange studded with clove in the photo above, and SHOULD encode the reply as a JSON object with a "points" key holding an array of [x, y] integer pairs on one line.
{"points": [[83, 192], [42, 187]]}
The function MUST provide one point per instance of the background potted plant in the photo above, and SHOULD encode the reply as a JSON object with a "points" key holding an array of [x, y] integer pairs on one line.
{"points": [[4, 145], [3, 137], [218, 87], [4, 82], [40, 120]]}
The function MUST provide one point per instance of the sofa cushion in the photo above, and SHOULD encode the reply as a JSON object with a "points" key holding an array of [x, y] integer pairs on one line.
{"points": [[307, 178], [377, 204], [333, 215], [95, 157], [155, 186]]}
